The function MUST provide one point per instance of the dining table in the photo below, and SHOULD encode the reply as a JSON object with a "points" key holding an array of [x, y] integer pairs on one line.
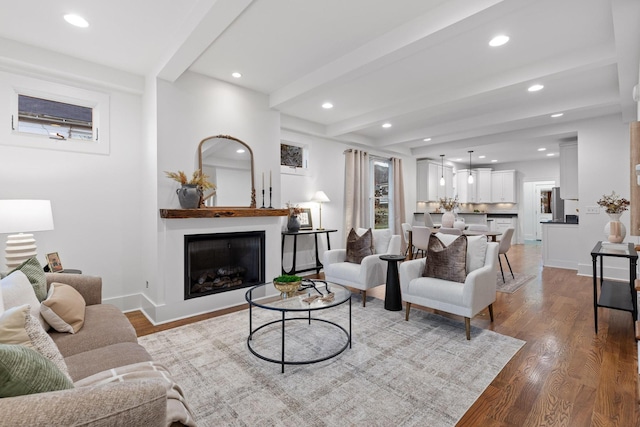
{"points": [[491, 235]]}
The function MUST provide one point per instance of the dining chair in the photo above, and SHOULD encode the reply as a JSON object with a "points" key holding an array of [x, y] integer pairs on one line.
{"points": [[406, 230], [447, 230], [420, 238], [477, 227], [428, 221], [505, 245]]}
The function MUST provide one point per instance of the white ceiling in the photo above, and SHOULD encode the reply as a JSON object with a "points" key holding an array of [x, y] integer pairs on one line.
{"points": [[424, 66]]}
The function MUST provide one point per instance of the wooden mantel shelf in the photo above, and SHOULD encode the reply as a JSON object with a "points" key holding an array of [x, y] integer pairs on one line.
{"points": [[221, 212]]}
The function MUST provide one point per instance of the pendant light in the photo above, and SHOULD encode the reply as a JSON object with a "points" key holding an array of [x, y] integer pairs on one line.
{"points": [[470, 179], [442, 169]]}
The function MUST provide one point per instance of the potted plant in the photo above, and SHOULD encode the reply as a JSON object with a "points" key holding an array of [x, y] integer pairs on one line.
{"points": [[287, 284], [190, 194], [448, 217]]}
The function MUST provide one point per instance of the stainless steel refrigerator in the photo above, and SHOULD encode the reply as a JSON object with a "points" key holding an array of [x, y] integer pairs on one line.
{"points": [[557, 205]]}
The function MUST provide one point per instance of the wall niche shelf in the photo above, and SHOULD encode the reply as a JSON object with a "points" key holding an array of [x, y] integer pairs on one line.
{"points": [[221, 213]]}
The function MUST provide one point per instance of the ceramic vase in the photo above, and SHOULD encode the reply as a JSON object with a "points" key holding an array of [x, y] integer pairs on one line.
{"points": [[448, 218], [189, 196], [459, 224], [293, 224], [614, 229]]}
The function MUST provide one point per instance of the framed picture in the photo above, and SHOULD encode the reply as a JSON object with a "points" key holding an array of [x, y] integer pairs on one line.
{"points": [[53, 261], [305, 219]]}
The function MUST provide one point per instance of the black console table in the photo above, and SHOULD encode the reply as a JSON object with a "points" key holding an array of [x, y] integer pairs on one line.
{"points": [[614, 294], [295, 235]]}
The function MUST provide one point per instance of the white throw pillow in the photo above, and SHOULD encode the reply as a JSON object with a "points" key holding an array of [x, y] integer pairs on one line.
{"points": [[476, 249], [381, 239], [64, 308], [17, 290]]}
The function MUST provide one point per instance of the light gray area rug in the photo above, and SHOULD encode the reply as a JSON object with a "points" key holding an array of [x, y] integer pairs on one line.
{"points": [[510, 285], [416, 373]]}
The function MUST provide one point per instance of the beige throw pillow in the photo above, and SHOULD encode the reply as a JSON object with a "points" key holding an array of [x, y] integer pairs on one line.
{"points": [[359, 247], [64, 308], [19, 327], [447, 262]]}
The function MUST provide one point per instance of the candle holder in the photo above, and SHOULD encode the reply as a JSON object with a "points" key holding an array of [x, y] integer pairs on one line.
{"points": [[270, 192], [262, 207]]}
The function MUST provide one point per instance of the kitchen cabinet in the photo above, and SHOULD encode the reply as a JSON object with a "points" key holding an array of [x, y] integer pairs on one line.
{"points": [[467, 193], [560, 247], [503, 186], [483, 187], [569, 170], [428, 185]]}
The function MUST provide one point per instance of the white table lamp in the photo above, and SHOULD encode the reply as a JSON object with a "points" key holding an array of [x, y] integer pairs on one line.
{"points": [[321, 198], [20, 216]]}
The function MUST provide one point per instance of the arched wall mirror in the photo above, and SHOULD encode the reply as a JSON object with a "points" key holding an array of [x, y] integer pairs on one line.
{"points": [[229, 163]]}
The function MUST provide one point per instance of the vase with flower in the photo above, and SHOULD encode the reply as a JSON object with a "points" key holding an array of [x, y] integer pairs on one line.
{"points": [[191, 191], [614, 206], [448, 217], [293, 221]]}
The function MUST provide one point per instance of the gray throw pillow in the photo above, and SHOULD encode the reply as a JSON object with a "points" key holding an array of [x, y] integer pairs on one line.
{"points": [[359, 247], [447, 262]]}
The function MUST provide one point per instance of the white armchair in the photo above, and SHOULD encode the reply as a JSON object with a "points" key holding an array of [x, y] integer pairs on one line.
{"points": [[463, 299], [371, 272]]}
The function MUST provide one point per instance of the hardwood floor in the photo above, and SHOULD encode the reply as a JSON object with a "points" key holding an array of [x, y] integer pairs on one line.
{"points": [[565, 375]]}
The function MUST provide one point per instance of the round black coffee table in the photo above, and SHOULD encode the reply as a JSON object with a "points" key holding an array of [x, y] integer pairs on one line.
{"points": [[392, 294], [295, 305]]}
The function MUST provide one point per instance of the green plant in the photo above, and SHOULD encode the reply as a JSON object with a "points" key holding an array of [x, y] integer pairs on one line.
{"points": [[198, 178], [287, 278]]}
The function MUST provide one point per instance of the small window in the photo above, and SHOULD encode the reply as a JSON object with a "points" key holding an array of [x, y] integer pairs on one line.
{"points": [[53, 116], [57, 120], [294, 158]]}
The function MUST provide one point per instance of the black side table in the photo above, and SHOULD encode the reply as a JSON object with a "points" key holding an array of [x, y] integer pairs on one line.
{"points": [[392, 294], [614, 294]]}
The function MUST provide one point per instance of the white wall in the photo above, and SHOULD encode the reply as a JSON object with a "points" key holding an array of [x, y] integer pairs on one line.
{"points": [[603, 166], [96, 199], [326, 173], [189, 110]]}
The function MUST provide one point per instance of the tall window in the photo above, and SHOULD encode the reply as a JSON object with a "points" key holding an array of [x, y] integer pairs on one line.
{"points": [[381, 187]]}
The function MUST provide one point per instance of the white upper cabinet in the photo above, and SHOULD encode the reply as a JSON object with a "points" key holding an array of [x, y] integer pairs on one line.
{"points": [[569, 170], [428, 185], [483, 187], [503, 186], [467, 193]]}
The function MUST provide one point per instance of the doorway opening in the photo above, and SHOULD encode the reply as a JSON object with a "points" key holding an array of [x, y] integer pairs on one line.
{"points": [[537, 207]]}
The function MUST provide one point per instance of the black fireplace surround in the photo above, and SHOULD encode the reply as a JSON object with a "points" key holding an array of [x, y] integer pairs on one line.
{"points": [[222, 262]]}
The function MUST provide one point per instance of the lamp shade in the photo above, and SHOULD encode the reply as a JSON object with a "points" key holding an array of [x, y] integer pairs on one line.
{"points": [[320, 197], [19, 216]]}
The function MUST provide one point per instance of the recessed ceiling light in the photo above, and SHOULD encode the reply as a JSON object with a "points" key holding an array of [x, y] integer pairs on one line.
{"points": [[327, 105], [557, 115], [494, 161], [482, 157], [535, 88], [386, 125], [240, 150], [499, 40], [236, 75], [542, 149], [76, 20], [550, 155], [427, 139]]}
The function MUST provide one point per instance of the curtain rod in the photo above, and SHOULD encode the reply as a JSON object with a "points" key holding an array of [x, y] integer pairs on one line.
{"points": [[349, 150]]}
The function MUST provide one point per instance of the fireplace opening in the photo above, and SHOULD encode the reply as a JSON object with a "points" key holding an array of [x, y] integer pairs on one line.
{"points": [[222, 262]]}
